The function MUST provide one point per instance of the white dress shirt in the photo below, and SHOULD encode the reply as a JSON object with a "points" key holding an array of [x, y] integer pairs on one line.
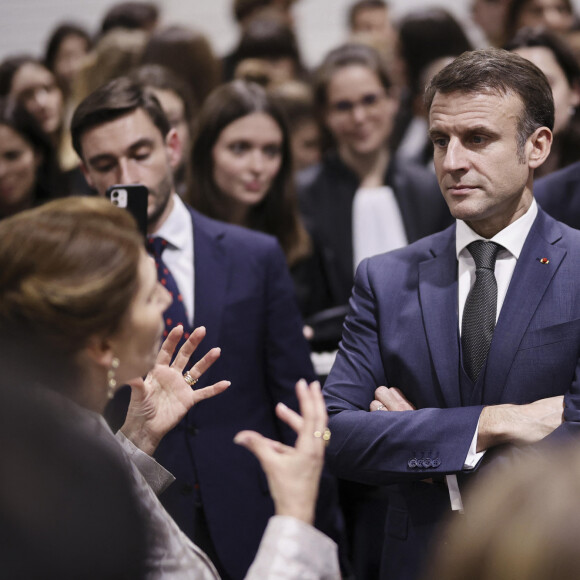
{"points": [[377, 225], [512, 239], [177, 229]]}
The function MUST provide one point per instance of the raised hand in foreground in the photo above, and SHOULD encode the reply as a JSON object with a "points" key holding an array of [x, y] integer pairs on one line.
{"points": [[160, 401], [293, 473]]}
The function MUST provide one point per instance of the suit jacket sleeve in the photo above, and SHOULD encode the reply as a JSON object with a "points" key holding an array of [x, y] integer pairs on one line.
{"points": [[379, 447]]}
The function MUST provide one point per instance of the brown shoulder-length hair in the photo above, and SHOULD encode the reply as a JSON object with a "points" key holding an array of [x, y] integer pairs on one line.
{"points": [[277, 214], [68, 272]]}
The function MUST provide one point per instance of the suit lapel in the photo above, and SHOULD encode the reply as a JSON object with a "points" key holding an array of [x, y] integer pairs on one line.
{"points": [[528, 285], [438, 299], [211, 274]]}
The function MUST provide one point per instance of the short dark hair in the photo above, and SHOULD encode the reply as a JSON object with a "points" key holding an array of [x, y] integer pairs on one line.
{"points": [[500, 72], [528, 37], [116, 99], [156, 76], [131, 15], [363, 5]]}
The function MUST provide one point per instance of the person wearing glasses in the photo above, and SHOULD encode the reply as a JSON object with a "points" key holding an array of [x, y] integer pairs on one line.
{"points": [[360, 200]]}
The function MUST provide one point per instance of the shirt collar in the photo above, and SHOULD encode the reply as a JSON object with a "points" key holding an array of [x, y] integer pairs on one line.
{"points": [[511, 238], [174, 229]]}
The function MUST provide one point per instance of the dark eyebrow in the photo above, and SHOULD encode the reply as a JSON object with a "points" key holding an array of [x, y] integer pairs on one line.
{"points": [[144, 142]]}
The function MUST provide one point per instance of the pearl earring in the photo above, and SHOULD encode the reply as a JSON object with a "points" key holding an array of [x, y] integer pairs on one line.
{"points": [[111, 380]]}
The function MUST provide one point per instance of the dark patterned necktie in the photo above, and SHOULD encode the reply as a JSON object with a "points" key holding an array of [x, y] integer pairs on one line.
{"points": [[175, 314], [480, 308]]}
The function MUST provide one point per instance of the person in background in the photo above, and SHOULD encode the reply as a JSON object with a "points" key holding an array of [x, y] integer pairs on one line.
{"points": [[29, 174], [558, 193], [235, 283], [241, 169], [28, 82], [66, 49], [555, 15], [80, 294], [189, 55], [425, 36], [369, 21], [555, 59], [180, 108], [268, 49], [131, 16], [491, 16], [360, 199], [297, 102]]}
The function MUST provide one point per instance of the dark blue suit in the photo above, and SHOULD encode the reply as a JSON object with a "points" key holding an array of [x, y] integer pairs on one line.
{"points": [[245, 298], [559, 194], [402, 330]]}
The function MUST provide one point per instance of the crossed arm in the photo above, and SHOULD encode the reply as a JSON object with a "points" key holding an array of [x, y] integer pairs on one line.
{"points": [[498, 424]]}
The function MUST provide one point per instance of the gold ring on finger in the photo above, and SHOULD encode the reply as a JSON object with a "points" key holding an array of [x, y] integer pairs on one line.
{"points": [[189, 379]]}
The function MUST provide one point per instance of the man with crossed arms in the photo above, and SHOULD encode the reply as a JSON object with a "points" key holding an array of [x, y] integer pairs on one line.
{"points": [[475, 346]]}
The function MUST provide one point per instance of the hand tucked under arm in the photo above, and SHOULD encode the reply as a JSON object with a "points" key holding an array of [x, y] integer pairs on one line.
{"points": [[519, 424], [390, 399], [293, 473], [160, 401]]}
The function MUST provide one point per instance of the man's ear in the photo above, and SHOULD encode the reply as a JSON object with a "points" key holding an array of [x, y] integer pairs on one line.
{"points": [[87, 174], [100, 351], [174, 148], [539, 143]]}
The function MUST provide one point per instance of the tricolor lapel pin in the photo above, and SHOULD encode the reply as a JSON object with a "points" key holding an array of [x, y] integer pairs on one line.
{"points": [[543, 260]]}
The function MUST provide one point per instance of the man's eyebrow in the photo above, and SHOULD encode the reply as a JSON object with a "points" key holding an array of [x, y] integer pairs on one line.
{"points": [[144, 142]]}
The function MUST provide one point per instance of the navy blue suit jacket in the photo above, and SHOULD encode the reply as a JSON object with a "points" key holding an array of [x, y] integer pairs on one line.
{"points": [[245, 298], [559, 194], [402, 330]]}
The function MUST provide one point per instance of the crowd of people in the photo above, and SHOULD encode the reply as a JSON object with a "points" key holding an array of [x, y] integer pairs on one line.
{"points": [[383, 224]]}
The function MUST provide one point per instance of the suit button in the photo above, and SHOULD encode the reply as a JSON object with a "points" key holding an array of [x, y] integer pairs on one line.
{"points": [[420, 463], [186, 489], [192, 430], [412, 463], [436, 462], [427, 462]]}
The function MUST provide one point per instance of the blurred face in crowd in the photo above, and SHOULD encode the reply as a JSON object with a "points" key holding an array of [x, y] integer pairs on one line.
{"points": [[359, 111], [553, 14], [490, 15], [247, 156], [565, 96], [18, 166], [69, 57], [374, 22], [305, 143], [34, 86], [174, 110], [131, 149]]}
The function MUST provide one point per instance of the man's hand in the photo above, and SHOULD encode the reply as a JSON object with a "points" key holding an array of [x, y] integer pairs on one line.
{"points": [[390, 399], [519, 424], [160, 401]]}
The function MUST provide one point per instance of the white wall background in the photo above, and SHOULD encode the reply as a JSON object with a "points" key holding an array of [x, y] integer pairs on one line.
{"points": [[26, 24]]}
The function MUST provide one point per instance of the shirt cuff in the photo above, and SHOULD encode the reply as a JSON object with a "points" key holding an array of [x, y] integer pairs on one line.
{"points": [[291, 548], [155, 474], [473, 456]]}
